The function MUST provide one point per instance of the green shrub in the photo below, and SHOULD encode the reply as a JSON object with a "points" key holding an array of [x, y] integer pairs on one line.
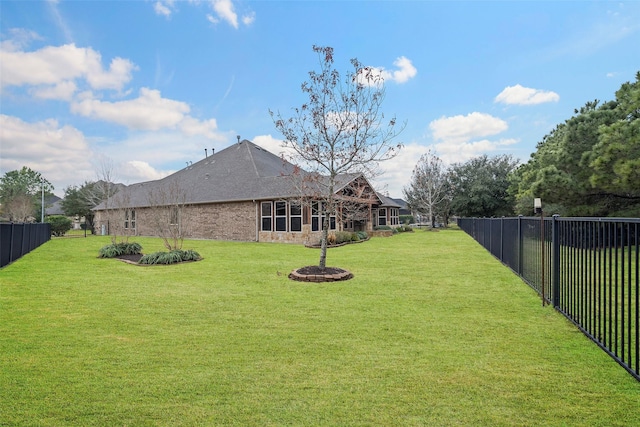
{"points": [[342, 237], [172, 257], [383, 227], [404, 228], [60, 224], [119, 249], [362, 235]]}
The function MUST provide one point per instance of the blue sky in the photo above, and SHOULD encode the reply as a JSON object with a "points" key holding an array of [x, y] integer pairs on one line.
{"points": [[148, 85]]}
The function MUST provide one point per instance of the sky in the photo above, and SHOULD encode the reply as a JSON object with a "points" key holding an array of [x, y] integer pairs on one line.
{"points": [[147, 86]]}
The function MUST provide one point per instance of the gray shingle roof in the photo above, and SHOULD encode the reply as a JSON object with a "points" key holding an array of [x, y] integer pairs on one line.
{"points": [[243, 171]]}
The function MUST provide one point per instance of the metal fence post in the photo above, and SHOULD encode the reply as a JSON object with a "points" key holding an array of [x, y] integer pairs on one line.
{"points": [[520, 245], [555, 260], [502, 239]]}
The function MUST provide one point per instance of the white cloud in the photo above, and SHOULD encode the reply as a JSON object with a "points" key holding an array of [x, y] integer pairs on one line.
{"points": [[62, 91], [406, 71], [463, 151], [396, 173], [207, 128], [273, 145], [372, 75], [19, 39], [138, 171], [249, 18], [225, 11], [163, 7], [459, 138], [462, 128], [520, 95], [147, 112], [53, 65], [60, 153]]}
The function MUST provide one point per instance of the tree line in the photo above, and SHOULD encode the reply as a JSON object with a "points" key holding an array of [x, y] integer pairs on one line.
{"points": [[587, 166]]}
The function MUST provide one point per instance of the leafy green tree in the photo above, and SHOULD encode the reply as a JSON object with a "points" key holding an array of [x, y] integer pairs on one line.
{"points": [[480, 186], [20, 194], [60, 224], [589, 165], [615, 159]]}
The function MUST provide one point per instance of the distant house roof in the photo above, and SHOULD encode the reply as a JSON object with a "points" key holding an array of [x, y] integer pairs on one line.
{"points": [[240, 172], [388, 202], [53, 205]]}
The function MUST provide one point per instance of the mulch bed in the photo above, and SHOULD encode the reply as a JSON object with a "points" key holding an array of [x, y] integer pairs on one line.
{"points": [[314, 273], [132, 259]]}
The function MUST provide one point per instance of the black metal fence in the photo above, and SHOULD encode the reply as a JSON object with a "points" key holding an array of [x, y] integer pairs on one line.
{"points": [[588, 268], [19, 239]]}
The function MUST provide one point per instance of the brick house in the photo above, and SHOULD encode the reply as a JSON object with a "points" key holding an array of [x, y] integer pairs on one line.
{"points": [[242, 193]]}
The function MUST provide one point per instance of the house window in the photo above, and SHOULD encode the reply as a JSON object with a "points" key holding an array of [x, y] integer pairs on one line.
{"points": [[395, 216], [295, 216], [129, 219], [281, 216], [382, 216], [173, 216], [317, 219], [266, 208]]}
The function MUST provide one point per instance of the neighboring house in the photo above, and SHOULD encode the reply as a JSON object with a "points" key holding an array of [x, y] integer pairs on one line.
{"points": [[243, 193]]}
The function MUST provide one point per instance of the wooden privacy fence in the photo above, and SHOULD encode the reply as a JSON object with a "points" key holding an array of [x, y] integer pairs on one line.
{"points": [[588, 268], [21, 238]]}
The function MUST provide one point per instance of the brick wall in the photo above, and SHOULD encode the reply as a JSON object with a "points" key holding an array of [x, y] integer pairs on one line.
{"points": [[219, 221]]}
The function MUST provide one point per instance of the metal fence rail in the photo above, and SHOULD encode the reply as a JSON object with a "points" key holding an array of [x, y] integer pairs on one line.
{"points": [[588, 268], [17, 240]]}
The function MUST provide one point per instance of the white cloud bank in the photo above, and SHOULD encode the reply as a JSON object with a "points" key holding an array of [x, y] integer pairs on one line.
{"points": [[520, 95], [76, 75], [70, 73], [60, 153], [459, 138], [53, 67]]}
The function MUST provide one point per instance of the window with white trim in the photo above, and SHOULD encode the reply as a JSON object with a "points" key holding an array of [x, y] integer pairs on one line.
{"points": [[267, 219], [130, 219], [295, 216], [281, 216], [173, 215], [395, 216], [382, 216]]}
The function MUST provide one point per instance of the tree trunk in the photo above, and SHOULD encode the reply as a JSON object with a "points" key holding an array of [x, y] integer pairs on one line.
{"points": [[325, 238]]}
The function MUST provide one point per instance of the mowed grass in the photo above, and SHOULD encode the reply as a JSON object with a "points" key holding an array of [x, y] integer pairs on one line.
{"points": [[431, 331]]}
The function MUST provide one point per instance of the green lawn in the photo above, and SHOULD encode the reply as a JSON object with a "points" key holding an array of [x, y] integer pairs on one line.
{"points": [[431, 331]]}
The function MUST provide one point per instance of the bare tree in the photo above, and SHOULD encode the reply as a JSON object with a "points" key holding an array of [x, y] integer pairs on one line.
{"points": [[339, 130], [20, 208], [104, 190], [168, 213], [429, 190]]}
